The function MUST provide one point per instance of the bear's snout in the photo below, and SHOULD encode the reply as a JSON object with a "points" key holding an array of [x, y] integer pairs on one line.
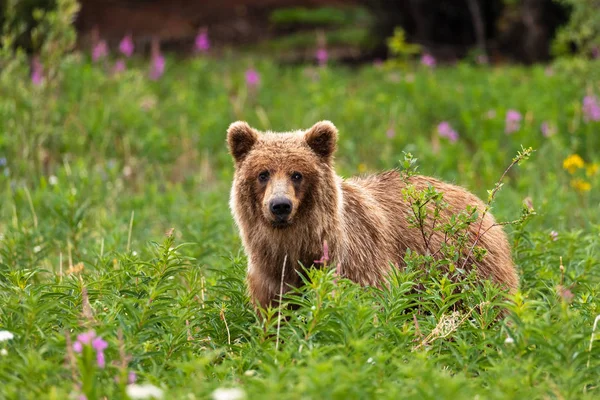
{"points": [[281, 208]]}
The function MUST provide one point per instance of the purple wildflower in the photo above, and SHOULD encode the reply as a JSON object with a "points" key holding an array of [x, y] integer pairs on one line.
{"points": [[126, 46], [119, 66], [445, 130], [96, 342], [100, 345], [78, 347], [37, 71], [595, 52], [322, 55], [390, 133], [547, 129], [513, 121], [202, 42], [87, 337], [99, 51], [591, 108], [131, 377], [428, 60], [157, 69], [252, 77], [100, 359]]}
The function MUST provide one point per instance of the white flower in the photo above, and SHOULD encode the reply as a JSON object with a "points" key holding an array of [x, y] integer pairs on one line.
{"points": [[3, 352], [53, 180], [37, 249], [228, 394], [145, 391], [370, 361], [509, 340], [250, 372], [6, 335]]}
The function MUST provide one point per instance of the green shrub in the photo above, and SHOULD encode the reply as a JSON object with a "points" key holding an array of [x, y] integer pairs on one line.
{"points": [[582, 32]]}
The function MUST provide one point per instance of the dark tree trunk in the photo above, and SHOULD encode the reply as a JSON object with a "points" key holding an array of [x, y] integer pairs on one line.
{"points": [[479, 26]]}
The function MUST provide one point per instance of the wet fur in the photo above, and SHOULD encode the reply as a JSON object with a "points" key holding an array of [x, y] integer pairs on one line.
{"points": [[363, 220]]}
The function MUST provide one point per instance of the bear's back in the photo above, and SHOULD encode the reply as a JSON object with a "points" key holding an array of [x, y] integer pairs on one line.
{"points": [[376, 216]]}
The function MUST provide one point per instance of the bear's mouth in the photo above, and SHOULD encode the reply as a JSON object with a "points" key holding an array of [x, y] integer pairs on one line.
{"points": [[280, 223]]}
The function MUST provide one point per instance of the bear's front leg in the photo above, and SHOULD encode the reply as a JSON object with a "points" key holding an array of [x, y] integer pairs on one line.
{"points": [[263, 289]]}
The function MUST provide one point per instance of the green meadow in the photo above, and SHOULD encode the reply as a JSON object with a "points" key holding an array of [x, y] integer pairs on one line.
{"points": [[114, 217]]}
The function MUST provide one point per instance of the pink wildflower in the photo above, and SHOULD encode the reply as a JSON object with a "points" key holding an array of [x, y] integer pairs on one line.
{"points": [[322, 55], [126, 46], [428, 60], [99, 51], [325, 257], [202, 43], [390, 133], [554, 236], [565, 293], [37, 71], [252, 77], [131, 377], [96, 342], [547, 129], [87, 337], [119, 66], [513, 121], [100, 345], [445, 130], [157, 69], [591, 108]]}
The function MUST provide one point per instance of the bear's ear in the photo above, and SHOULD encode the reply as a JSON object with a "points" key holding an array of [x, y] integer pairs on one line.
{"points": [[240, 139], [322, 138]]}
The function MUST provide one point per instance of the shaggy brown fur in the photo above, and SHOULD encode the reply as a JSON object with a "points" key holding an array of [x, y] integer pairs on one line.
{"points": [[287, 200]]}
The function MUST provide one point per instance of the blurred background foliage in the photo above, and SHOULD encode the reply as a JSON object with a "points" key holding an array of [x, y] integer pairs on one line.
{"points": [[355, 30]]}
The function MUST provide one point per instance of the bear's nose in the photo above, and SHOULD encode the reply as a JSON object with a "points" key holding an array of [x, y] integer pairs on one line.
{"points": [[280, 207]]}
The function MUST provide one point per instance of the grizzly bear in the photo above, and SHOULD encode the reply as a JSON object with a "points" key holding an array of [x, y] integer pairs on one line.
{"points": [[287, 201]]}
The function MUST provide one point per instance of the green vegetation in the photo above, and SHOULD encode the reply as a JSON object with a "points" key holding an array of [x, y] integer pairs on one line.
{"points": [[97, 168]]}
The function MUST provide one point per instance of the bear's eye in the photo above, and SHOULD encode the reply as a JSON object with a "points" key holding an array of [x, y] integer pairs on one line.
{"points": [[263, 176], [296, 176]]}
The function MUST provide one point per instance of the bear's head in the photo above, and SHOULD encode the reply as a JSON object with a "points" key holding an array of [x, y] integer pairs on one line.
{"points": [[280, 177]]}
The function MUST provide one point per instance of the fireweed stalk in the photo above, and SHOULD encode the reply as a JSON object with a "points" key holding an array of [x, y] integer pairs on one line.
{"points": [[91, 348]]}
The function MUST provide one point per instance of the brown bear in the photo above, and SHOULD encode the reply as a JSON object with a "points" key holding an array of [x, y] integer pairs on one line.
{"points": [[287, 201]]}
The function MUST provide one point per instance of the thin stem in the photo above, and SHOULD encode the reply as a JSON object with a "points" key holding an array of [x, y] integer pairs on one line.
{"points": [[280, 301]]}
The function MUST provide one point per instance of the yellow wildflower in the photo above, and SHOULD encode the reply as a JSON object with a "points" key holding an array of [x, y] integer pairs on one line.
{"points": [[580, 185], [362, 168], [592, 169], [573, 163]]}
